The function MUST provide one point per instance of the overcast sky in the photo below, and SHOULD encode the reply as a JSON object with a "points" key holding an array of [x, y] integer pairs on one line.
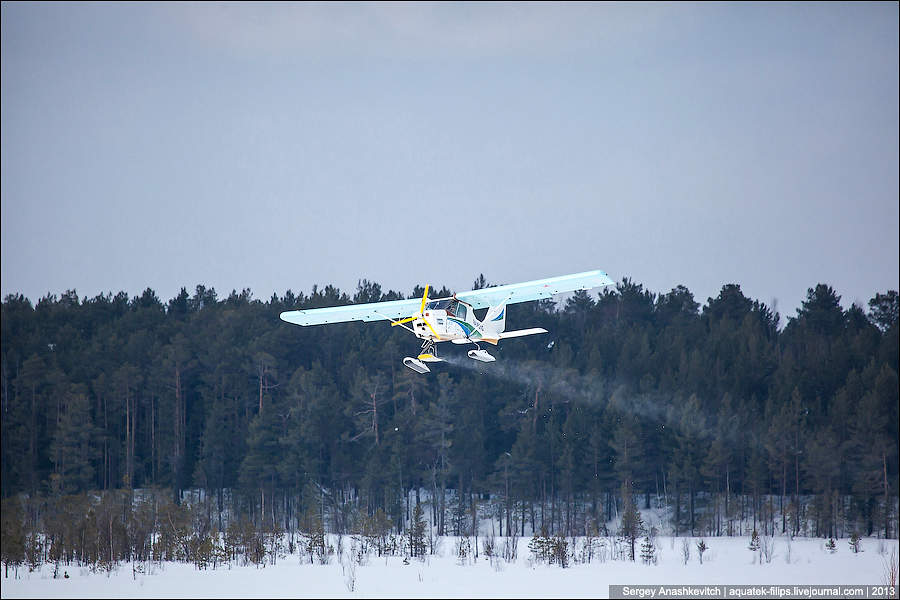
{"points": [[276, 146]]}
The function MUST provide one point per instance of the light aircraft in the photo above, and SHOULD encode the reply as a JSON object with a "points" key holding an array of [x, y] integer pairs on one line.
{"points": [[453, 319]]}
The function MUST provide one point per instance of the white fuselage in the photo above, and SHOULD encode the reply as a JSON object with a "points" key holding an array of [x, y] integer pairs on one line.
{"points": [[445, 327], [449, 320]]}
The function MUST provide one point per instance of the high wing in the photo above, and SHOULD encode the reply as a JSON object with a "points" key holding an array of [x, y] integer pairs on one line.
{"points": [[371, 311], [534, 290], [397, 309]]}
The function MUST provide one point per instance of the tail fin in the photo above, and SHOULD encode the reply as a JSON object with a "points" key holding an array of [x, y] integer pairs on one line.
{"points": [[495, 319]]}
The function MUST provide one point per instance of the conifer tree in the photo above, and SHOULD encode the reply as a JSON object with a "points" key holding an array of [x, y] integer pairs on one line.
{"points": [[855, 543], [12, 535], [648, 551], [417, 532], [73, 443], [754, 541], [632, 524]]}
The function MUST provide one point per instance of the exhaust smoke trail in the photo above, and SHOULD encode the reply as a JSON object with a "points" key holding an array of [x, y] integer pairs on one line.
{"points": [[565, 382], [592, 388]]}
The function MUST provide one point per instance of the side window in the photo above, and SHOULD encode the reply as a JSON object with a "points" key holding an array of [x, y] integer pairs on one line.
{"points": [[461, 311]]}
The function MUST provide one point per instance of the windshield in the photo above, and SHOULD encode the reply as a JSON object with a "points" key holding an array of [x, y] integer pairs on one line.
{"points": [[438, 305], [453, 307]]}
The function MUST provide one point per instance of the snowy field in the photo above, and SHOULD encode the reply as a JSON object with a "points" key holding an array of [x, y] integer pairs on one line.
{"points": [[727, 561]]}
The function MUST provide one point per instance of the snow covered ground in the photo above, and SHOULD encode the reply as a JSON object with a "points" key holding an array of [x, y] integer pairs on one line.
{"points": [[727, 561]]}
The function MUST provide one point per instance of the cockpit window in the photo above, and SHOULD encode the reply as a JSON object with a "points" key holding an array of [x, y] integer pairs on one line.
{"points": [[453, 307], [438, 305]]}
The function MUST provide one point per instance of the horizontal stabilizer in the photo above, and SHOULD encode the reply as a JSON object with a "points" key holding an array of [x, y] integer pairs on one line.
{"points": [[521, 332]]}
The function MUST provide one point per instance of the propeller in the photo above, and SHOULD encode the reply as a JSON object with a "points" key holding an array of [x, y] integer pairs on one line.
{"points": [[419, 315]]}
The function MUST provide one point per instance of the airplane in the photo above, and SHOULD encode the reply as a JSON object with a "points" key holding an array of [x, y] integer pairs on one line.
{"points": [[453, 319]]}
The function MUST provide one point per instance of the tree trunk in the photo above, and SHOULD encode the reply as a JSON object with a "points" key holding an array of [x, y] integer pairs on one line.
{"points": [[691, 491], [677, 507], [176, 479], [887, 507], [375, 417], [797, 488], [783, 492]]}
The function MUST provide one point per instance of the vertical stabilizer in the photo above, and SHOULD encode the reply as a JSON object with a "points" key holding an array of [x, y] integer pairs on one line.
{"points": [[495, 319]]}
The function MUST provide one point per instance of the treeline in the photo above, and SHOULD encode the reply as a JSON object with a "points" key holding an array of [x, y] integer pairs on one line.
{"points": [[120, 526], [716, 412], [145, 528]]}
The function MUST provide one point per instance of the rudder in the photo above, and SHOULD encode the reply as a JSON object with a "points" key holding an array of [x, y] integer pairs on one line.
{"points": [[495, 319]]}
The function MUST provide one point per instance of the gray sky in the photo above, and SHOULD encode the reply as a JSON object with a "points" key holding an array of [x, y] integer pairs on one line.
{"points": [[275, 146]]}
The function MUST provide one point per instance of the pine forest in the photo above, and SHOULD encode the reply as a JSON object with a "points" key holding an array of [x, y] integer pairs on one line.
{"points": [[214, 412]]}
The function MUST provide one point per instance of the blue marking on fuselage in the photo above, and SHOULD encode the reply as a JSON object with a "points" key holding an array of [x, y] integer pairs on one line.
{"points": [[466, 328]]}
